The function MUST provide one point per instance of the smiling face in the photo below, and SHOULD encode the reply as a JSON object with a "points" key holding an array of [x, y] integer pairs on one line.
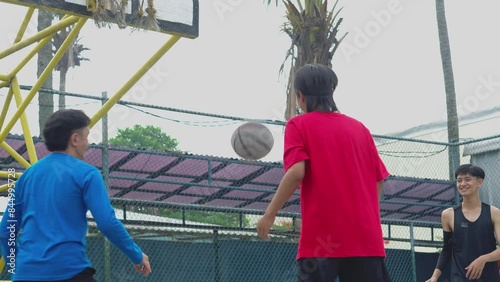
{"points": [[468, 185]]}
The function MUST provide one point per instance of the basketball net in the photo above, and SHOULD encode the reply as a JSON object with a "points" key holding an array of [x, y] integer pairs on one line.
{"points": [[106, 11]]}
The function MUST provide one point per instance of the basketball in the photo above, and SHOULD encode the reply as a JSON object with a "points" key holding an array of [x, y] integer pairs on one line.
{"points": [[252, 141]]}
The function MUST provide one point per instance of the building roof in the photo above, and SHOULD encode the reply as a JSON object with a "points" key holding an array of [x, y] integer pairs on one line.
{"points": [[208, 181], [482, 147]]}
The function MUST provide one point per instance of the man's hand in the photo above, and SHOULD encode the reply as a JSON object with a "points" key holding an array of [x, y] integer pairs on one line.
{"points": [[475, 269], [264, 225], [289, 183], [144, 268], [432, 279]]}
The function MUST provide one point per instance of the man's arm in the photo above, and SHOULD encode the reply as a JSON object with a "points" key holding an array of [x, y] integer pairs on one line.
{"points": [[475, 269], [97, 201], [444, 257], [290, 182]]}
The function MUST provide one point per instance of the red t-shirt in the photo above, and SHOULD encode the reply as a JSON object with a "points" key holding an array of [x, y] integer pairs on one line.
{"points": [[338, 195]]}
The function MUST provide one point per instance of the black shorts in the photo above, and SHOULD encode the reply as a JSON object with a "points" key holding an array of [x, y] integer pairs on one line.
{"points": [[356, 269], [87, 275]]}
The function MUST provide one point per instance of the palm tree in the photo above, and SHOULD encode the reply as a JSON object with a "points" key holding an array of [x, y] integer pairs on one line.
{"points": [[72, 58], [449, 83], [45, 101], [314, 33]]}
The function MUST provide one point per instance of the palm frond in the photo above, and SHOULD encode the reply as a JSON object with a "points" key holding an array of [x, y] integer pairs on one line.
{"points": [[334, 49], [299, 4], [336, 14], [335, 5], [289, 54], [292, 10], [324, 8], [269, 2], [293, 15], [317, 12]]}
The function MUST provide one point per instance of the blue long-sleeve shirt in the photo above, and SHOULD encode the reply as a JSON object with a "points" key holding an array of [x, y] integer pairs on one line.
{"points": [[49, 206]]}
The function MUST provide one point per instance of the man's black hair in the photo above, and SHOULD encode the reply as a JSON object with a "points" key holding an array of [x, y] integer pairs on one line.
{"points": [[473, 170], [61, 125], [317, 82]]}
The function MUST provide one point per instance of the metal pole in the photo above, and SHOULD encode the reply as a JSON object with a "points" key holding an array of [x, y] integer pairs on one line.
{"points": [[24, 25], [217, 256], [412, 248], [134, 79], [209, 174], [105, 174], [454, 164], [30, 145], [13, 153], [50, 31]]}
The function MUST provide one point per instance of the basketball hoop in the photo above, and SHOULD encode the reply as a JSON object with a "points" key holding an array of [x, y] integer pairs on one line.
{"points": [[146, 18], [105, 12]]}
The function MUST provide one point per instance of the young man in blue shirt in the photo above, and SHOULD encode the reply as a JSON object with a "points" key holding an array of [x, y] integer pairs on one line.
{"points": [[49, 205]]}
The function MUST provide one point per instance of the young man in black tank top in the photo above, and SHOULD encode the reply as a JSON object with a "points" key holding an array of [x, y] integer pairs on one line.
{"points": [[470, 231]]}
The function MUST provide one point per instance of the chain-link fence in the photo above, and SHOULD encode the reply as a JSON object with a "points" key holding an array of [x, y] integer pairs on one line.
{"points": [[195, 216]]}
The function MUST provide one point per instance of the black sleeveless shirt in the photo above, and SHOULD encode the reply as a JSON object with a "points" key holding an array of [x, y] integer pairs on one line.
{"points": [[471, 240]]}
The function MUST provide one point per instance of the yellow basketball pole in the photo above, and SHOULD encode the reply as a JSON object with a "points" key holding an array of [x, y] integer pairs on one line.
{"points": [[5, 108], [30, 146], [30, 55], [8, 175], [5, 174], [4, 84], [14, 154], [4, 77], [133, 80], [40, 35], [48, 70], [4, 188], [25, 24]]}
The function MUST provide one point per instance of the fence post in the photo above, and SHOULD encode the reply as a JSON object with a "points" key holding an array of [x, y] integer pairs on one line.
{"points": [[217, 255], [454, 164], [209, 173], [105, 174], [412, 248]]}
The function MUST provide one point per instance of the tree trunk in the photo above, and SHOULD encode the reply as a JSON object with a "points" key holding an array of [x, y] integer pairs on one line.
{"points": [[451, 103], [45, 101], [62, 86], [291, 97]]}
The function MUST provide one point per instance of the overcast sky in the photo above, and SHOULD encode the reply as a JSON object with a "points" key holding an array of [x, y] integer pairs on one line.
{"points": [[389, 68]]}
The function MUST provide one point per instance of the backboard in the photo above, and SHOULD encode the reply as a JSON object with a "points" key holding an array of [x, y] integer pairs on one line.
{"points": [[180, 17]]}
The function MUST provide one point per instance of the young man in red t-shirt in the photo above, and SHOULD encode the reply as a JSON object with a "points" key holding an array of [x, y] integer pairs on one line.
{"points": [[334, 159]]}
